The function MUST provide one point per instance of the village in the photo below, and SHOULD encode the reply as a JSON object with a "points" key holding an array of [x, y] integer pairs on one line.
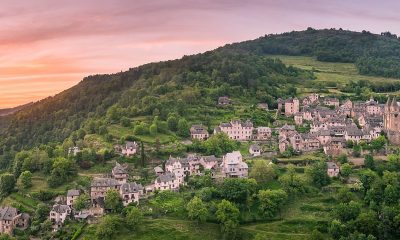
{"points": [[331, 125]]}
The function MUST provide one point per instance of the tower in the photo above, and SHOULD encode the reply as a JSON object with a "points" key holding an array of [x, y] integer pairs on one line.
{"points": [[391, 121]]}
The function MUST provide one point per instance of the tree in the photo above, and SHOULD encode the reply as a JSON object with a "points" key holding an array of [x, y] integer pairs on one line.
{"points": [[369, 161], [197, 210], [347, 211], [42, 212], [378, 143], [133, 217], [107, 227], [218, 144], [291, 182], [318, 174], [228, 215], [342, 158], [125, 122], [63, 170], [172, 122], [142, 155], [183, 128], [263, 172], [346, 170], [25, 179], [271, 201], [82, 202], [7, 184], [113, 201], [237, 189], [153, 129]]}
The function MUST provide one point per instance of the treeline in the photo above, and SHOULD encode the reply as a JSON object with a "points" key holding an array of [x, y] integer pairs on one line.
{"points": [[373, 54]]}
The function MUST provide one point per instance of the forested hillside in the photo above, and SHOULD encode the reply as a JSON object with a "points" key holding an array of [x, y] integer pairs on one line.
{"points": [[239, 70], [373, 54], [165, 87]]}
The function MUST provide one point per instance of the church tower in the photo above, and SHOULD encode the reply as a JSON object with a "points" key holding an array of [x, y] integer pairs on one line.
{"points": [[391, 121]]}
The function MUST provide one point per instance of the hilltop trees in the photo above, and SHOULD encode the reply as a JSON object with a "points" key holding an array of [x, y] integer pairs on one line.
{"points": [[25, 179], [197, 210], [228, 215]]}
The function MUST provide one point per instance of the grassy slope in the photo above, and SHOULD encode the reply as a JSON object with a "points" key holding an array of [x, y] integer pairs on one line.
{"points": [[325, 72]]}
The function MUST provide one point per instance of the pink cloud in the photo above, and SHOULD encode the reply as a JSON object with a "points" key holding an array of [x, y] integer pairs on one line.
{"points": [[49, 45]]}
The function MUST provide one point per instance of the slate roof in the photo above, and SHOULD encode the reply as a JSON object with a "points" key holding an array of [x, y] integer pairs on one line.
{"points": [[59, 208], [104, 182], [198, 129], [166, 177], [131, 187], [8, 213], [332, 165], [119, 169], [73, 192]]}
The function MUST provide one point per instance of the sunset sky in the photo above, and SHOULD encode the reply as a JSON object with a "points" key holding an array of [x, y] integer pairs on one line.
{"points": [[47, 46]]}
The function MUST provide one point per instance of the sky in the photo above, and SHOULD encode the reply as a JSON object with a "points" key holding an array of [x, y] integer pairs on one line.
{"points": [[47, 46]]}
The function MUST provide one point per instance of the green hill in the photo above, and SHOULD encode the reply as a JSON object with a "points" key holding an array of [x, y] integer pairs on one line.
{"points": [[190, 86]]}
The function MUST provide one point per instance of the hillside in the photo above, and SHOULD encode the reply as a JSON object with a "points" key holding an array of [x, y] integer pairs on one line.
{"points": [[240, 70], [166, 86], [9, 111], [373, 54]]}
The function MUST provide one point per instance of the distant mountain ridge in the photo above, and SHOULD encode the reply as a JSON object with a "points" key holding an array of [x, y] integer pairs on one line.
{"points": [[9, 111]]}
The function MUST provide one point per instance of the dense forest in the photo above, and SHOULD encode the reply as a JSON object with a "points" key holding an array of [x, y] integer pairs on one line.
{"points": [[377, 55]]}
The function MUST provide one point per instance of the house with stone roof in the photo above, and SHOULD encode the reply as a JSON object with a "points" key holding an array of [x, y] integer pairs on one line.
{"points": [[199, 132], [130, 148], [11, 218], [233, 166], [58, 214], [224, 101], [262, 133], [236, 130], [120, 173], [167, 181], [72, 195], [255, 150], [130, 192], [100, 186], [333, 169]]}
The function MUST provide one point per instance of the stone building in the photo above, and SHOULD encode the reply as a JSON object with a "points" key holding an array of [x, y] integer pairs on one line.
{"points": [[391, 121]]}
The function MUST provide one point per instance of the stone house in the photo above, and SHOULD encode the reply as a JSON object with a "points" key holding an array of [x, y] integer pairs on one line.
{"points": [[199, 132], [283, 145], [292, 106], [255, 150], [333, 169], [352, 133], [236, 129], [298, 118], [335, 146], [58, 214], [72, 195], [130, 148], [166, 181], [130, 192], [120, 173], [11, 219], [262, 133], [263, 106], [233, 166], [209, 162], [224, 101], [331, 102], [285, 130], [100, 186]]}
